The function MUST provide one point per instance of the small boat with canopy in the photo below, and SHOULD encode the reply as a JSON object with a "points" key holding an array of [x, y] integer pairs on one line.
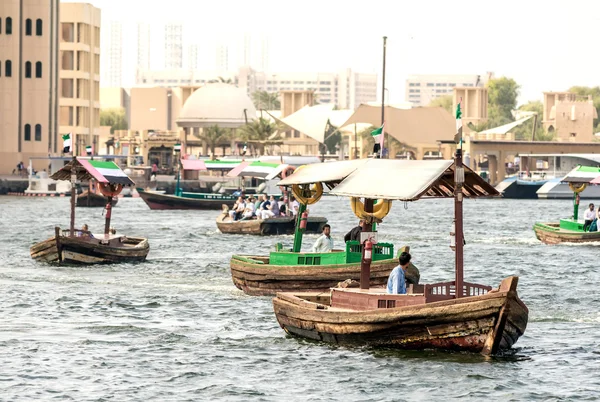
{"points": [[454, 315], [571, 230], [73, 246]]}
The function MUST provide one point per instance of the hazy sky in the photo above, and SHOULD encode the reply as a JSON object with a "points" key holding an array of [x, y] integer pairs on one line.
{"points": [[544, 45]]}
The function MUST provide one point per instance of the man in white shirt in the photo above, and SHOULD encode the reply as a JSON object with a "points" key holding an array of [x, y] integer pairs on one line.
{"points": [[589, 217], [324, 243]]}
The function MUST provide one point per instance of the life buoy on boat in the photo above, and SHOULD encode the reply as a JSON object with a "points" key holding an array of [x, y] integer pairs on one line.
{"points": [[577, 187], [380, 210], [110, 190], [307, 194], [285, 173]]}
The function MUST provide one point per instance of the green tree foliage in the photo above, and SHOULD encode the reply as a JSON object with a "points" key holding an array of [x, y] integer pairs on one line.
{"points": [[443, 101], [260, 133], [595, 93], [502, 100], [525, 130], [266, 100], [221, 79], [115, 118], [332, 138], [214, 136]]}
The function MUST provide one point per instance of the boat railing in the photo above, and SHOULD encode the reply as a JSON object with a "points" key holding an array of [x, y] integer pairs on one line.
{"points": [[447, 290], [76, 233], [381, 251]]}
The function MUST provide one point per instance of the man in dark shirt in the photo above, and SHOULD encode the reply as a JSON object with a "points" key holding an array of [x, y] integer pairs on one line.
{"points": [[354, 233]]}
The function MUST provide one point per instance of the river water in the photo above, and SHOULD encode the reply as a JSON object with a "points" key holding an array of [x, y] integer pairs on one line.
{"points": [[176, 329]]}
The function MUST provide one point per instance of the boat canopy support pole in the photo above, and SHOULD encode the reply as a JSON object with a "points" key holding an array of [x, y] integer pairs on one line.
{"points": [[575, 206], [177, 188], [459, 178], [299, 232], [365, 265], [108, 215], [73, 197]]}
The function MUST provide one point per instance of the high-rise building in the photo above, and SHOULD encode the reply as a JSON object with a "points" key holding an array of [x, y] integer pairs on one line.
{"points": [[112, 65], [222, 58], [143, 46], [192, 57], [28, 81], [79, 76], [173, 46], [421, 89]]}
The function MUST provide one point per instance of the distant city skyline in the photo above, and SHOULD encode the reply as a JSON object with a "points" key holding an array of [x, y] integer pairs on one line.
{"points": [[549, 53]]}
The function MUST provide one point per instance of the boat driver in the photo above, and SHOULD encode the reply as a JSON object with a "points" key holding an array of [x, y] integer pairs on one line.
{"points": [[324, 243]]}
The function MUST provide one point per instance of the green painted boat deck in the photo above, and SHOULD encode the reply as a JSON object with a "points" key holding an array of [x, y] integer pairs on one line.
{"points": [[352, 254]]}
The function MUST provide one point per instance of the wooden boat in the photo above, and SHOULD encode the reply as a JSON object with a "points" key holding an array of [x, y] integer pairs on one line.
{"points": [[486, 323], [571, 230], [272, 226], [209, 201], [454, 315], [73, 246], [185, 200], [87, 248], [91, 199]]}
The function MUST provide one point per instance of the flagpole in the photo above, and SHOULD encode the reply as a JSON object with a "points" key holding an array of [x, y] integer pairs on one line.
{"points": [[383, 97]]}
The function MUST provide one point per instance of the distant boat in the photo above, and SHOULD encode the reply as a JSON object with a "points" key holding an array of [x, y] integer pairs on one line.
{"points": [[73, 246], [281, 225], [570, 230]]}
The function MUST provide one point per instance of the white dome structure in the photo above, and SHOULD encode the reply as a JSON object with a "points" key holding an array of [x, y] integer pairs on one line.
{"points": [[219, 103]]}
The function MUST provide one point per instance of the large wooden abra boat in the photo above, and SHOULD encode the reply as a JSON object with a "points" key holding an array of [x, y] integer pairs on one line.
{"points": [[210, 200], [571, 230], [281, 225], [454, 315], [82, 246]]}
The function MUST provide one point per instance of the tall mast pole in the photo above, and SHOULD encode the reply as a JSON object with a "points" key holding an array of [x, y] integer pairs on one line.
{"points": [[383, 95], [459, 179]]}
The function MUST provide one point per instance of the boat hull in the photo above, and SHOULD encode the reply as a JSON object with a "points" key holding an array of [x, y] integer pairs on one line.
{"points": [[78, 250], [271, 226], [487, 324], [519, 189], [257, 279], [551, 233], [88, 199], [168, 201]]}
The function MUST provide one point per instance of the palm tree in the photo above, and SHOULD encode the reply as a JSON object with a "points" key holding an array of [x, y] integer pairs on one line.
{"points": [[266, 100], [214, 136], [221, 79], [259, 133]]}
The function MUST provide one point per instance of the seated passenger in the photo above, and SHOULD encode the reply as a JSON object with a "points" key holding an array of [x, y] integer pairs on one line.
{"points": [[85, 232], [396, 282]]}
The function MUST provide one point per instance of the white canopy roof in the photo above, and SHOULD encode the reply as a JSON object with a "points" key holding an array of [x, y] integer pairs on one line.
{"points": [[507, 127], [310, 120], [391, 179]]}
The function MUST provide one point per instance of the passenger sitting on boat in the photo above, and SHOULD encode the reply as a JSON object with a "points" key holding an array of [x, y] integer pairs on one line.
{"points": [[239, 209], [248, 213], [589, 217], [274, 206], [282, 206], [250, 207], [271, 210], [396, 282], [354, 233], [85, 231], [325, 242], [265, 210], [294, 207]]}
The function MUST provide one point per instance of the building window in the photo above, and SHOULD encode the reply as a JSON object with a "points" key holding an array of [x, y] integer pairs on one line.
{"points": [[8, 25], [28, 69], [38, 27], [430, 84], [28, 27], [0, 25], [8, 68], [38, 132], [27, 132], [38, 69]]}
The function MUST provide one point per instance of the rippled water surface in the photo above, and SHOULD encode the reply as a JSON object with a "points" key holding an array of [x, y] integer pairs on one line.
{"points": [[175, 327]]}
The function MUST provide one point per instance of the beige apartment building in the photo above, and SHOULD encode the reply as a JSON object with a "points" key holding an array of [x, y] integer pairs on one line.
{"points": [[570, 116], [28, 81], [421, 89], [79, 57]]}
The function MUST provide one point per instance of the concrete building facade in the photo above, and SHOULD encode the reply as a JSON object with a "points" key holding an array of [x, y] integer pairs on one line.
{"points": [[346, 89], [79, 112], [29, 32], [570, 116], [421, 89]]}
